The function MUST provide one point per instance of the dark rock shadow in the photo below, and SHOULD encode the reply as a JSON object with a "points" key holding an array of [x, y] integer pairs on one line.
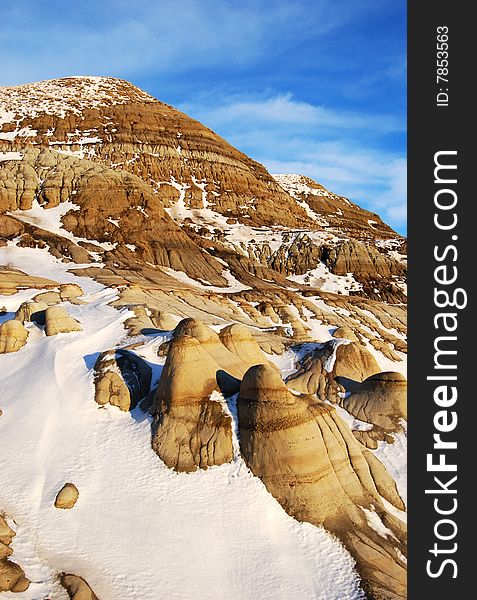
{"points": [[228, 385], [350, 385]]}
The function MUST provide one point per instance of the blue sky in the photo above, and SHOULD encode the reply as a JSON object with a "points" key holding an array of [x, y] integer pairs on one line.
{"points": [[306, 86]]}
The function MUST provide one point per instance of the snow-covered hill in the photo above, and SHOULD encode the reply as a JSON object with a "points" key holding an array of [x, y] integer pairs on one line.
{"points": [[213, 356]]}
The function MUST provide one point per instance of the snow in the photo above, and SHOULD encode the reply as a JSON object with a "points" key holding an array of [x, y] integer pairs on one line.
{"points": [[233, 284], [139, 529], [50, 219], [394, 458], [66, 95], [4, 156], [322, 278], [47, 218], [374, 521]]}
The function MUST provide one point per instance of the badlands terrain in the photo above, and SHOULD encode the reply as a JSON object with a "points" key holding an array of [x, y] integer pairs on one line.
{"points": [[203, 390]]}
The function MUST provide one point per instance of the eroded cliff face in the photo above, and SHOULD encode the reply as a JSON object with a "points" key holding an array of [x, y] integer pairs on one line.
{"points": [[113, 122], [222, 200], [227, 282]]}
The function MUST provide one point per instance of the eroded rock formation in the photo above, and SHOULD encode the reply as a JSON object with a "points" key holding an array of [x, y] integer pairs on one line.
{"points": [[309, 460], [380, 400], [13, 336], [121, 379], [57, 320], [12, 576], [191, 429]]}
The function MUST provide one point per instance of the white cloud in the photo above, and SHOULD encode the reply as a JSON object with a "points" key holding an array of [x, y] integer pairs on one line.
{"points": [[342, 150], [284, 109]]}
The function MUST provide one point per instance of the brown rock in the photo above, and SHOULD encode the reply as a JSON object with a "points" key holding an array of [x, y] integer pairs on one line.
{"points": [[238, 339], [121, 379], [381, 400], [310, 462], [58, 321], [31, 311], [12, 577], [212, 345], [71, 292], [318, 370], [67, 496], [345, 333], [49, 298], [13, 336], [77, 587], [190, 429]]}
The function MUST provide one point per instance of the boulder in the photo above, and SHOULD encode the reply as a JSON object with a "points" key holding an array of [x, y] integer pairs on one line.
{"points": [[58, 321], [13, 336], [380, 400], [12, 576], [121, 379], [32, 311], [238, 340], [71, 292], [67, 496], [49, 298]]}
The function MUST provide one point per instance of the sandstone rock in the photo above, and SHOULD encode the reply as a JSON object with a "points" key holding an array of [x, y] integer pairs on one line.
{"points": [[162, 320], [32, 311], [346, 333], [212, 345], [6, 532], [121, 379], [354, 362], [77, 587], [10, 227], [310, 462], [13, 280], [58, 321], [381, 400], [140, 323], [70, 292], [190, 429], [148, 320], [5, 551], [22, 584], [49, 298], [238, 339], [318, 370], [67, 496], [267, 309], [12, 577], [13, 336]]}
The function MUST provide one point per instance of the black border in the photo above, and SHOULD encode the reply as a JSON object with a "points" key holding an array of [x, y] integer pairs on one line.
{"points": [[432, 128]]}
